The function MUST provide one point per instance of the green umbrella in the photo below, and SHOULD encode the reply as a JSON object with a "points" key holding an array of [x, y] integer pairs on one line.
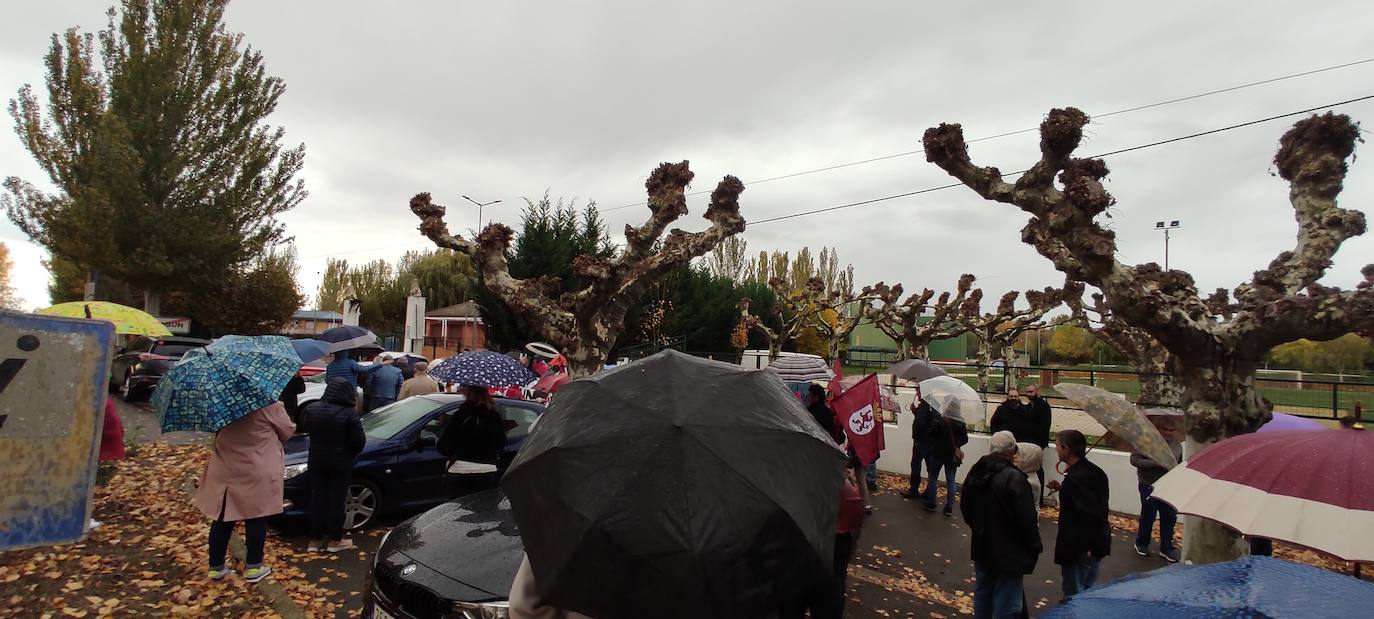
{"points": [[1122, 419]]}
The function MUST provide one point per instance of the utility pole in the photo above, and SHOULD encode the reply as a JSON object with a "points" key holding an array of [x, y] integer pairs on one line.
{"points": [[1172, 225], [479, 210]]}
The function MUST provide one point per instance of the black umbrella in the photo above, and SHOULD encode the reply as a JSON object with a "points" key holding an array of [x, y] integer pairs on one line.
{"points": [[676, 487], [346, 337], [915, 369]]}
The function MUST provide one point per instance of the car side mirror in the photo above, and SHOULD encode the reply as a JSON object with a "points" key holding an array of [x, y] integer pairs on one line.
{"points": [[426, 440]]}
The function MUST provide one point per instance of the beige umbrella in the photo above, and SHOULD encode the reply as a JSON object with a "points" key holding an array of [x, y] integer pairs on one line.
{"points": [[1122, 419]]}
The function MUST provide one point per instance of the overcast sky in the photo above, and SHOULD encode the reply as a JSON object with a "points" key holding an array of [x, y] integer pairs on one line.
{"points": [[499, 100]]}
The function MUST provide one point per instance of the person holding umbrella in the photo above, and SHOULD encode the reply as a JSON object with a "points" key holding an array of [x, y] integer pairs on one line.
{"points": [[1147, 473], [473, 439], [948, 437], [242, 482], [385, 382], [1085, 535], [922, 445]]}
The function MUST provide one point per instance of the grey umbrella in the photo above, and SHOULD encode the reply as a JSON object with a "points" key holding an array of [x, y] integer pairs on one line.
{"points": [[915, 369]]}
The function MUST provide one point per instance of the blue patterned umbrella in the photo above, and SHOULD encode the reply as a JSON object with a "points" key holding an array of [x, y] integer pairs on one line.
{"points": [[1248, 587], [233, 376], [482, 369]]}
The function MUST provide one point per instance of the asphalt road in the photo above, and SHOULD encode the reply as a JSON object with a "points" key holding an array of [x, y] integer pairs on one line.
{"points": [[900, 544]]}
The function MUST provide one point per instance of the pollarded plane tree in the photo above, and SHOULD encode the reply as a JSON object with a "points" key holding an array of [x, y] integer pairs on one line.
{"points": [[1217, 345], [793, 311], [902, 320], [586, 321], [1153, 363], [841, 312], [998, 330]]}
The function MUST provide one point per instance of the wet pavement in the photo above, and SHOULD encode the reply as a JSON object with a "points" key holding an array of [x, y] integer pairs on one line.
{"points": [[908, 562]]}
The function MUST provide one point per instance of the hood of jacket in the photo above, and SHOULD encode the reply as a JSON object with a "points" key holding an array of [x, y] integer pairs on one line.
{"points": [[340, 391]]}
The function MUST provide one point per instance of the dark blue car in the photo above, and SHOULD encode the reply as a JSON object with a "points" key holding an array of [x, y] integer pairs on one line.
{"points": [[399, 468]]}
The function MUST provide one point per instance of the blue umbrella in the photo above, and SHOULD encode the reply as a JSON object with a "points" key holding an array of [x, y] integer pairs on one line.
{"points": [[482, 369], [234, 376], [347, 337], [310, 350], [1249, 587]]}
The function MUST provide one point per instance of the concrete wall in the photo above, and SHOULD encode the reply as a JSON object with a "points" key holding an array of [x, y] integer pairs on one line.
{"points": [[1125, 496]]}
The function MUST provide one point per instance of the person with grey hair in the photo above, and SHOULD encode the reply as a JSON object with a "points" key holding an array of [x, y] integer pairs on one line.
{"points": [[1085, 534], [419, 384], [385, 384], [998, 506]]}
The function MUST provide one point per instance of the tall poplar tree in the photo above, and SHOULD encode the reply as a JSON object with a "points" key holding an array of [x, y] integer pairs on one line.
{"points": [[167, 175]]}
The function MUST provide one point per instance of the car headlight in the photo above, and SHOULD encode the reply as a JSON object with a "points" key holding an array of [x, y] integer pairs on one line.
{"points": [[482, 610], [293, 470]]}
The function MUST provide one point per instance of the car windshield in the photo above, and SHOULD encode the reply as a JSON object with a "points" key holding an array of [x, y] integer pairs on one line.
{"points": [[387, 421]]}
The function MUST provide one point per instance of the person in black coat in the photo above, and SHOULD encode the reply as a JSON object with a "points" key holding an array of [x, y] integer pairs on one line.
{"points": [[473, 440], [998, 506], [294, 388], [336, 439], [1085, 535], [947, 439], [923, 419], [1016, 417], [824, 415], [1040, 428]]}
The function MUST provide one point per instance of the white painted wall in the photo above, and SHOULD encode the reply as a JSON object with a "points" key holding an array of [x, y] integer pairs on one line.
{"points": [[1125, 496]]}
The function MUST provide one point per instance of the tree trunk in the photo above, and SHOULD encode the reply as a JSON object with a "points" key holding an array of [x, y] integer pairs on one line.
{"points": [[152, 302], [774, 349], [1158, 386], [88, 293], [917, 351], [984, 365], [1219, 401], [1013, 371]]}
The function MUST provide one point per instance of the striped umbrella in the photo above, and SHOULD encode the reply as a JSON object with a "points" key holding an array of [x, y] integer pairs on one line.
{"points": [[1311, 488], [800, 368]]}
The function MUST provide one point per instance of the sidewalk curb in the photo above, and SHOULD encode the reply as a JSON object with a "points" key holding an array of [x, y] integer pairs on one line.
{"points": [[276, 595]]}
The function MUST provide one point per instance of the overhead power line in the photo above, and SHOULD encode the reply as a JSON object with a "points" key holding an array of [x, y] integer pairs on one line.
{"points": [[1098, 156], [1032, 129]]}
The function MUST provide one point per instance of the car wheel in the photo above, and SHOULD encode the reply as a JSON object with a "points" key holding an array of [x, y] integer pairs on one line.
{"points": [[361, 504]]}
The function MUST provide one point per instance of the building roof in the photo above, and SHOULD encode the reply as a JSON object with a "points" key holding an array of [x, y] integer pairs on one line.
{"points": [[317, 315], [467, 309]]}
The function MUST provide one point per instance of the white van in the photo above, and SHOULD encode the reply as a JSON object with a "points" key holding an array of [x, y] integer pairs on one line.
{"points": [[758, 359]]}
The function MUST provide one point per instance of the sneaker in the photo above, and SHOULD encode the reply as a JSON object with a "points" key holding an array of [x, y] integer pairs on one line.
{"points": [[1170, 555], [314, 546], [255, 574], [221, 573], [911, 494], [949, 510], [872, 486], [341, 545], [930, 506], [95, 524], [1143, 551]]}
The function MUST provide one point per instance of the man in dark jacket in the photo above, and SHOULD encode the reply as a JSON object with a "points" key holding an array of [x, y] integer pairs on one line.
{"points": [[921, 446], [948, 437], [998, 506], [336, 439], [1040, 428], [1016, 417], [823, 414], [1148, 472], [1085, 536]]}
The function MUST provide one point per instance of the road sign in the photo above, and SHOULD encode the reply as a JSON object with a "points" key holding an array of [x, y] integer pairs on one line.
{"points": [[53, 377]]}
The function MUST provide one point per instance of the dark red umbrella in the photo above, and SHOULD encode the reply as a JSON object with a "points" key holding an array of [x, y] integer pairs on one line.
{"points": [[1311, 488]]}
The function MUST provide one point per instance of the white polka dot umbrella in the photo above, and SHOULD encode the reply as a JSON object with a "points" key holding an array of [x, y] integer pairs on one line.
{"points": [[482, 369]]}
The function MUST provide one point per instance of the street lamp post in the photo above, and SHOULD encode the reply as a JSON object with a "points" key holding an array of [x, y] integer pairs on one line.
{"points": [[1166, 227], [479, 210]]}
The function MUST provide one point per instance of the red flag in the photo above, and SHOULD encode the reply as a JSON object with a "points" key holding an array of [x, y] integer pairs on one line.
{"points": [[857, 409], [834, 386]]}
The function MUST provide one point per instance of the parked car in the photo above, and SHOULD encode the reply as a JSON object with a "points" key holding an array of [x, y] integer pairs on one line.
{"points": [[400, 467], [456, 560], [138, 366], [314, 389]]}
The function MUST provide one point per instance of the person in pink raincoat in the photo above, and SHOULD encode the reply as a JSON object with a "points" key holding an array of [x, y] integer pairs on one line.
{"points": [[243, 482]]}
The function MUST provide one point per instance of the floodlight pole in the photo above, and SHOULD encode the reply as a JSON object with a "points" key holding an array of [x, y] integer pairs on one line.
{"points": [[1167, 226], [479, 210]]}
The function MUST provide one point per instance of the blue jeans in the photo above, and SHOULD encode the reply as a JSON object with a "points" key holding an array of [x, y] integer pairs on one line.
{"points": [[996, 595], [1080, 575], [872, 474], [950, 469], [920, 454], [1168, 517]]}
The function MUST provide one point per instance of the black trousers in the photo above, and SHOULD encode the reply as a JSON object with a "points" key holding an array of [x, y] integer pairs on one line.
{"points": [[328, 492], [826, 599]]}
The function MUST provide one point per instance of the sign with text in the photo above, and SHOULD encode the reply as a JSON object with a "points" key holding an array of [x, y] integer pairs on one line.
{"points": [[53, 374], [178, 326]]}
